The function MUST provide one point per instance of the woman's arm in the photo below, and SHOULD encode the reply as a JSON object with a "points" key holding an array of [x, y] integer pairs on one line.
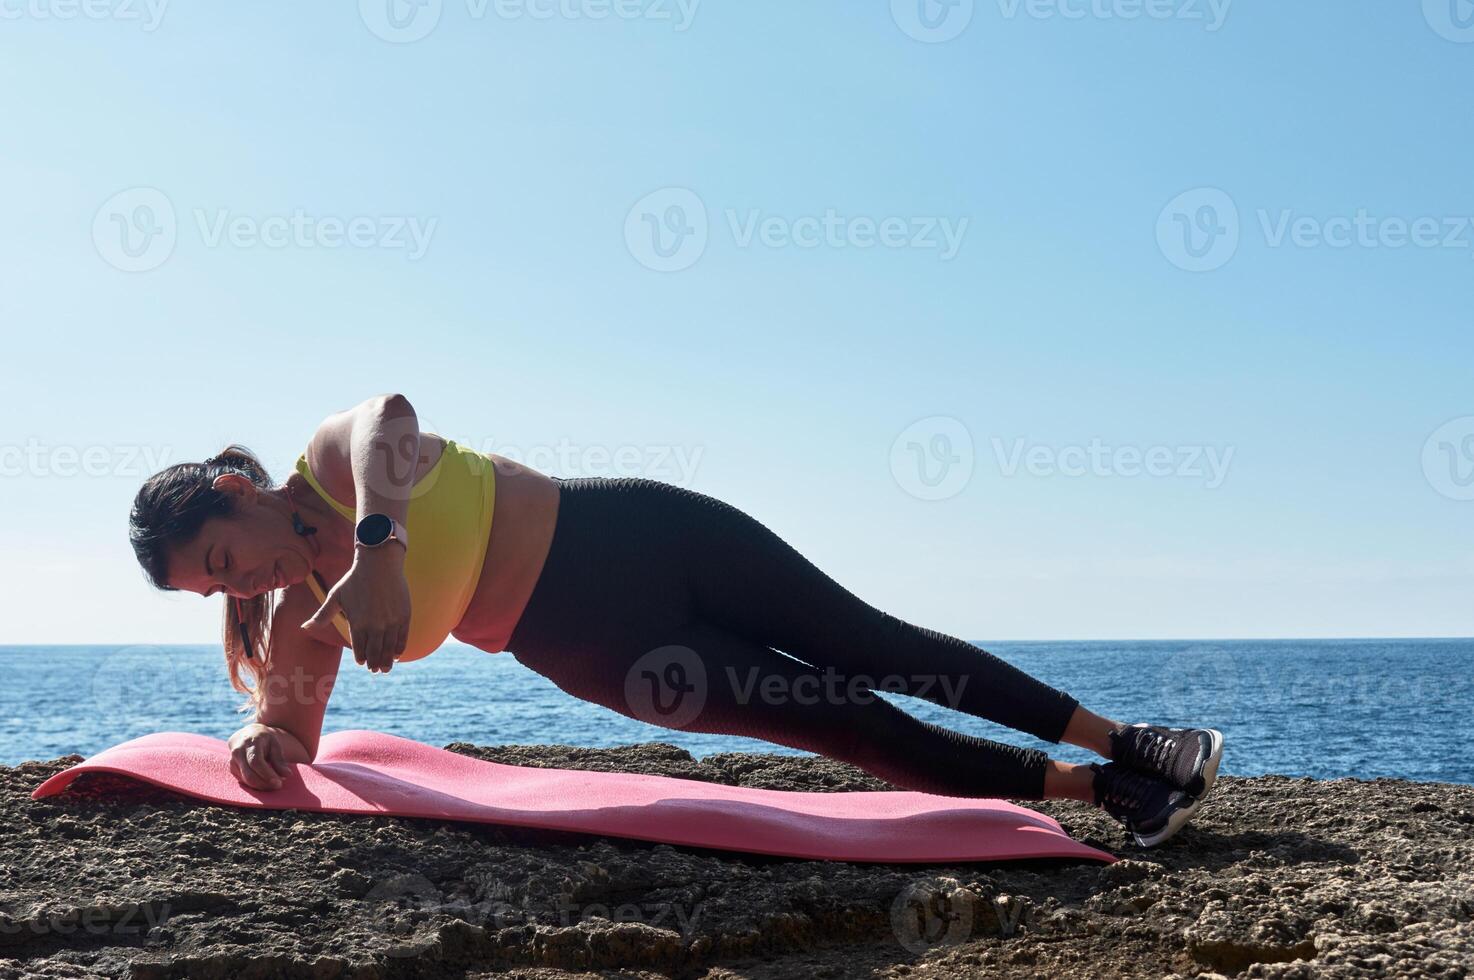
{"points": [[294, 696], [299, 677], [375, 449]]}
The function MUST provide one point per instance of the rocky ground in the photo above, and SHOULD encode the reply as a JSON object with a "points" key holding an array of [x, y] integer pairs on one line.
{"points": [[1277, 877]]}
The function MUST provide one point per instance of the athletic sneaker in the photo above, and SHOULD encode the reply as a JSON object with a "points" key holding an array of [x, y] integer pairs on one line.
{"points": [[1150, 809], [1185, 757]]}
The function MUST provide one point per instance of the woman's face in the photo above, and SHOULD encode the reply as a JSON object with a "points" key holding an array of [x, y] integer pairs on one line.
{"points": [[251, 551]]}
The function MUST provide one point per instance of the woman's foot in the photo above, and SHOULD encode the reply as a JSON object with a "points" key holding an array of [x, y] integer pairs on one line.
{"points": [[1187, 758], [1150, 809]]}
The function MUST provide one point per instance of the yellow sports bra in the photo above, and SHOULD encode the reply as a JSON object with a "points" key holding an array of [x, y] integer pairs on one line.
{"points": [[449, 524]]}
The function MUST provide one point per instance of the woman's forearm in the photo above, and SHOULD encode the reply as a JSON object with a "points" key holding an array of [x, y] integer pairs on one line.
{"points": [[384, 452]]}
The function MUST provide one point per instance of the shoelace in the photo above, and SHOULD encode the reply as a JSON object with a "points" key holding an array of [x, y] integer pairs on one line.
{"points": [[1126, 790], [1156, 750]]}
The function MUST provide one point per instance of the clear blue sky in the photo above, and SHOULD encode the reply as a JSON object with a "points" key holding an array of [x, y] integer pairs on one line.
{"points": [[1065, 314]]}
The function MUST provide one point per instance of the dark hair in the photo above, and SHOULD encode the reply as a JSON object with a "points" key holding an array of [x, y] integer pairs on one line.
{"points": [[170, 509]]}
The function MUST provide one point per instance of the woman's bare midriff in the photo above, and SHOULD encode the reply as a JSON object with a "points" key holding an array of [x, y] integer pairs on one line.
{"points": [[522, 523]]}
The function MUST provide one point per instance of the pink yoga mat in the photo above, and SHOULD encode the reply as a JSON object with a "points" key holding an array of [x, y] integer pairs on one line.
{"points": [[373, 773]]}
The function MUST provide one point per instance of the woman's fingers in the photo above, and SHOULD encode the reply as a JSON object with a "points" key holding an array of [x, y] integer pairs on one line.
{"points": [[372, 640], [323, 618], [257, 764], [277, 758], [378, 647], [243, 773], [359, 637], [390, 649]]}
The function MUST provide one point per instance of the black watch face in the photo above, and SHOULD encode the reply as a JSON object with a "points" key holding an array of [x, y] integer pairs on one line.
{"points": [[374, 530]]}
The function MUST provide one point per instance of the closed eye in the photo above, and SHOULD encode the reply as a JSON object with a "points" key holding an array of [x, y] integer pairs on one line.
{"points": [[211, 572]]}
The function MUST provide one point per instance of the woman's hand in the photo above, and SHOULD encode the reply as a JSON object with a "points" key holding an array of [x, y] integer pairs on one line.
{"points": [[258, 759], [374, 596]]}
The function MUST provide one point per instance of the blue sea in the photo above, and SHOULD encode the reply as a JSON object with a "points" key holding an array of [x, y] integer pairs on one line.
{"points": [[1322, 708]]}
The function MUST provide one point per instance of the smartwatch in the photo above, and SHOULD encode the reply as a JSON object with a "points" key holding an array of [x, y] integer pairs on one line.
{"points": [[376, 529]]}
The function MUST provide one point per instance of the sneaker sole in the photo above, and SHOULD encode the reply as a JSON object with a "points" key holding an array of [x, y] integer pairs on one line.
{"points": [[1175, 823], [1210, 768]]}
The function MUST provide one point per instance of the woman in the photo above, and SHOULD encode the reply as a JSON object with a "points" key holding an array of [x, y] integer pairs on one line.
{"points": [[655, 601]]}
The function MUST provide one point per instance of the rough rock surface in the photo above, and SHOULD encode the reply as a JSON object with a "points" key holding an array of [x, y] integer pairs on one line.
{"points": [[1276, 877]]}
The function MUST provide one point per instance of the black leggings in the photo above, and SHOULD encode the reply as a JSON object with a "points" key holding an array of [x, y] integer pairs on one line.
{"points": [[671, 607]]}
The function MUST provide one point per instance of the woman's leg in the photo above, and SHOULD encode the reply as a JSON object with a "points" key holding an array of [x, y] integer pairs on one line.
{"points": [[748, 580], [701, 678]]}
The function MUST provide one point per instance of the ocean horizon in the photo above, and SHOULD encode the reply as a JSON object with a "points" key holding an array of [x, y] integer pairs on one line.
{"points": [[1323, 708]]}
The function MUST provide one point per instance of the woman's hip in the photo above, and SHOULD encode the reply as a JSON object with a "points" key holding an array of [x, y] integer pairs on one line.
{"points": [[615, 569]]}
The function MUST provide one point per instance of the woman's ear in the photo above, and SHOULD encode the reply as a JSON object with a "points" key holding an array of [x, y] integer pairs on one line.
{"points": [[236, 484]]}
